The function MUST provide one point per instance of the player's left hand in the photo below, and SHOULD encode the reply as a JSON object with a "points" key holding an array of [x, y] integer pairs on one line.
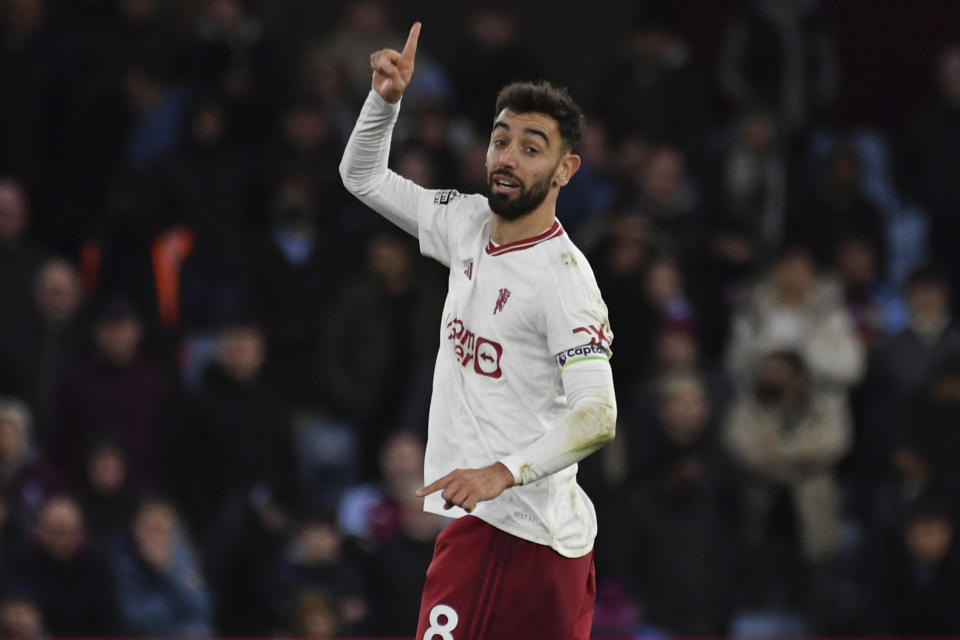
{"points": [[466, 487]]}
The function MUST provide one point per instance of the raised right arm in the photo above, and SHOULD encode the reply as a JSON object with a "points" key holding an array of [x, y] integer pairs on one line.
{"points": [[364, 166]]}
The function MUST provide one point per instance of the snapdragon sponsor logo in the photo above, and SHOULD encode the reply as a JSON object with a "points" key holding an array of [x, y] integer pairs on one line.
{"points": [[581, 353]]}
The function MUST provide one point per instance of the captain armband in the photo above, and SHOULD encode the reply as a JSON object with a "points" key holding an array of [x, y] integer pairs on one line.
{"points": [[583, 353]]}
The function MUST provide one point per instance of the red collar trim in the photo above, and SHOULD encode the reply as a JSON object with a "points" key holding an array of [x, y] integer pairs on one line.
{"points": [[518, 245]]}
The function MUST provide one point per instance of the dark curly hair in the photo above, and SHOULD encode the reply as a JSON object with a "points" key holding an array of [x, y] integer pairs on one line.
{"points": [[543, 97]]}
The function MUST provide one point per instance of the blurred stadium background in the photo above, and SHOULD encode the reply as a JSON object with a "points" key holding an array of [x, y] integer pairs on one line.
{"points": [[215, 365]]}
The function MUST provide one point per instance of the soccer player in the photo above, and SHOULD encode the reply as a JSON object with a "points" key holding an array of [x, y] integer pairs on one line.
{"points": [[522, 386]]}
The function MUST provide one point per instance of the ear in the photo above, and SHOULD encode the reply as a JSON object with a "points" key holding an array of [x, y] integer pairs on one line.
{"points": [[568, 166]]}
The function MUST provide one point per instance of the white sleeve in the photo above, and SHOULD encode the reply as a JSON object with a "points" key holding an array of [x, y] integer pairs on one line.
{"points": [[423, 213], [590, 424], [574, 313]]}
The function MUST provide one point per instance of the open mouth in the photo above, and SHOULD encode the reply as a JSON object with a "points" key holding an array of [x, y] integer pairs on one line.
{"points": [[504, 184]]}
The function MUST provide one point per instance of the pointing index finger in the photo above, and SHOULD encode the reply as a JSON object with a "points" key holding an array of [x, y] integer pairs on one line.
{"points": [[433, 486], [410, 49]]}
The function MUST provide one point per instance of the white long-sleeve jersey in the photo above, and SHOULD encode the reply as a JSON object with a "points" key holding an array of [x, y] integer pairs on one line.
{"points": [[522, 374]]}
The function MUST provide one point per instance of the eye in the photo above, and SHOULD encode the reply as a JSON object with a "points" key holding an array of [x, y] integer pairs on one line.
{"points": [[499, 143], [533, 150]]}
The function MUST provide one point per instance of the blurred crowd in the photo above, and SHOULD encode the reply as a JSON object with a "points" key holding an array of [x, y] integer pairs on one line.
{"points": [[215, 365]]}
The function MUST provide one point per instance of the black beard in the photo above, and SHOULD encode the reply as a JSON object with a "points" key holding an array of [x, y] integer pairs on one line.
{"points": [[523, 204]]}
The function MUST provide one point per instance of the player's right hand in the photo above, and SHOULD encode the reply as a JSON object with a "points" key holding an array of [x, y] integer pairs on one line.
{"points": [[392, 69], [466, 487]]}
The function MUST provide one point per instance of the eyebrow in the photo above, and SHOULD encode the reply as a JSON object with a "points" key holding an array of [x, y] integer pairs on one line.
{"points": [[533, 132]]}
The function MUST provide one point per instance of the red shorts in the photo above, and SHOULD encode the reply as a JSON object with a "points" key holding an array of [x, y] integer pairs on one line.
{"points": [[485, 584]]}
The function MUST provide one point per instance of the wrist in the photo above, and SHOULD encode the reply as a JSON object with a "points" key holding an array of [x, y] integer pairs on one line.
{"points": [[505, 475], [388, 98], [514, 463]]}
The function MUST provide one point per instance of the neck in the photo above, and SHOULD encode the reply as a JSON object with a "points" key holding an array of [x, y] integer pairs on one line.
{"points": [[503, 231]]}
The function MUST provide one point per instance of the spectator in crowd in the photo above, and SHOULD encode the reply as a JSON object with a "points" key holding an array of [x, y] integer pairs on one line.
{"points": [[156, 108], [918, 580], [649, 90], [676, 349], [69, 583], [837, 208], [750, 185], [905, 360], [938, 417], [665, 290], [676, 354], [877, 312], [315, 562], [377, 382], [746, 184], [414, 163], [235, 434], [918, 444], [133, 248], [889, 467], [240, 553], [588, 199], [316, 617], [779, 55], [929, 162], [234, 476], [682, 415], [794, 308], [875, 308], [26, 479], [679, 490], [787, 436], [471, 166], [374, 512], [365, 27], [207, 181], [623, 256], [13, 537], [107, 38], [662, 192], [19, 259], [160, 592], [28, 73], [306, 145], [431, 133], [323, 76], [293, 277], [118, 394], [399, 565], [490, 55], [35, 356], [232, 53], [20, 617], [106, 495]]}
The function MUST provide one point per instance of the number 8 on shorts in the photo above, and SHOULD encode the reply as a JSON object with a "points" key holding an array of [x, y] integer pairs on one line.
{"points": [[442, 631]]}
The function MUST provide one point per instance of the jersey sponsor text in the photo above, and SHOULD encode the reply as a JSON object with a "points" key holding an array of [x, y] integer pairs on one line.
{"points": [[470, 348]]}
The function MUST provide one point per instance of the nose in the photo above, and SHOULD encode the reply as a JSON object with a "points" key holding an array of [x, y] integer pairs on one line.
{"points": [[508, 156]]}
